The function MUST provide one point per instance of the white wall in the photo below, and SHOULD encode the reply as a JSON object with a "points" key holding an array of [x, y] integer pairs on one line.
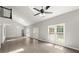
{"points": [[71, 21], [11, 27], [13, 30], [3, 22]]}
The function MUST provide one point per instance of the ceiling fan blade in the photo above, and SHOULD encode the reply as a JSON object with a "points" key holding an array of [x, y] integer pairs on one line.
{"points": [[49, 12], [37, 14], [36, 9], [47, 7]]}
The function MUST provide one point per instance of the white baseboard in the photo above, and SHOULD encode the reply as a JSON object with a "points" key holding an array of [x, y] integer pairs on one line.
{"points": [[72, 48], [61, 45]]}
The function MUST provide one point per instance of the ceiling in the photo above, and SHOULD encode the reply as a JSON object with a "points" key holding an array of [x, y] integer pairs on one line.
{"points": [[25, 14]]}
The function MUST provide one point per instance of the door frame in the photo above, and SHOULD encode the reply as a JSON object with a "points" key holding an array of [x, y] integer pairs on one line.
{"points": [[56, 34]]}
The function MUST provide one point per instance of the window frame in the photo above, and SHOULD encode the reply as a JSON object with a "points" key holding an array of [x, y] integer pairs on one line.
{"points": [[3, 12]]}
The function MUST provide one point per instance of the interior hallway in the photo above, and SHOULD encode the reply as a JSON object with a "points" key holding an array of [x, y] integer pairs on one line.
{"points": [[26, 45]]}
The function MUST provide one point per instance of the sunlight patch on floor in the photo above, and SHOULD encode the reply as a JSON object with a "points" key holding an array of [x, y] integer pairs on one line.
{"points": [[59, 47], [11, 40], [48, 44], [18, 50]]}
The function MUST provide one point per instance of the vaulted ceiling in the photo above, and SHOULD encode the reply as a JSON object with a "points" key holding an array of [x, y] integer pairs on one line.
{"points": [[25, 14]]}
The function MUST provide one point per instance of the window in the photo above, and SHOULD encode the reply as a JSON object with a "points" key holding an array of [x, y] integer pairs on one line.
{"points": [[5, 12]]}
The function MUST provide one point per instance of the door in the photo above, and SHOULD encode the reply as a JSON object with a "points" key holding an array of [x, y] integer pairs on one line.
{"points": [[52, 33], [0, 35], [56, 34], [36, 32], [23, 32], [60, 34]]}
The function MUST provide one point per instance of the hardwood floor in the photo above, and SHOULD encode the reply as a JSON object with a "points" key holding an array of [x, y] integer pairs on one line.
{"points": [[23, 45]]}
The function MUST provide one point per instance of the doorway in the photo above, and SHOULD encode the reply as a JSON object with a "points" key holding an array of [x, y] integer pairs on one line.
{"points": [[36, 32], [56, 33], [0, 35]]}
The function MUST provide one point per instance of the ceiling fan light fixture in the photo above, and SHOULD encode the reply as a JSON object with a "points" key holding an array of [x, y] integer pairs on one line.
{"points": [[42, 15]]}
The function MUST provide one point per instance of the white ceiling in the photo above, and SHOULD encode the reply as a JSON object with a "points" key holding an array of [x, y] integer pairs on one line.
{"points": [[26, 13]]}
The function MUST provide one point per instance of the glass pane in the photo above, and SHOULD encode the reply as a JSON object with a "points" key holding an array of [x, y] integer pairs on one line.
{"points": [[1, 12], [60, 34], [59, 28], [60, 37], [6, 13], [51, 30]]}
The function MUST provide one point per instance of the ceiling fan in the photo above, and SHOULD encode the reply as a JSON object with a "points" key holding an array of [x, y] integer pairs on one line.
{"points": [[42, 10]]}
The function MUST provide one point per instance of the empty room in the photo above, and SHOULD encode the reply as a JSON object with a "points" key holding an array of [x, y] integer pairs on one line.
{"points": [[39, 29]]}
